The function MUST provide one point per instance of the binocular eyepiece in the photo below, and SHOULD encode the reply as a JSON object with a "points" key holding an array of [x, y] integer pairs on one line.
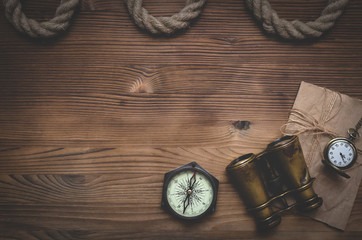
{"points": [[267, 179]]}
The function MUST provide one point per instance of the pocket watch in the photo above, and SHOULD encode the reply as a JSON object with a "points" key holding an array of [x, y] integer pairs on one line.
{"points": [[341, 153], [189, 192]]}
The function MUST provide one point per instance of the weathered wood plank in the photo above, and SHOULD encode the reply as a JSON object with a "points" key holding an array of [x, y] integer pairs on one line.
{"points": [[127, 160], [123, 191], [68, 203], [197, 105], [113, 235], [107, 89], [91, 121]]}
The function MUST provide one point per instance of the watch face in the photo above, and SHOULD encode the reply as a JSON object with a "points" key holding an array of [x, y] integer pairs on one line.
{"points": [[341, 153], [190, 193]]}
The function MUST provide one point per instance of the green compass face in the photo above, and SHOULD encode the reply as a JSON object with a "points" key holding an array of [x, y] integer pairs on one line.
{"points": [[190, 192]]}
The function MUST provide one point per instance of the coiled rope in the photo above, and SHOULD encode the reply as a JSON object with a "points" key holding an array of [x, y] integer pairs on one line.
{"points": [[164, 25], [36, 29], [296, 29], [261, 9]]}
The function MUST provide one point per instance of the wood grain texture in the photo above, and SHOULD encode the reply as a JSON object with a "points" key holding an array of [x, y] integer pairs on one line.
{"points": [[91, 121]]}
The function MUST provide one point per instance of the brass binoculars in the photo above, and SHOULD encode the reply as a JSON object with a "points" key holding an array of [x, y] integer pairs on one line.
{"points": [[269, 180]]}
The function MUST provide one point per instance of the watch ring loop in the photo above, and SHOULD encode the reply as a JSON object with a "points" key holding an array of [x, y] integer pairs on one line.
{"points": [[353, 133]]}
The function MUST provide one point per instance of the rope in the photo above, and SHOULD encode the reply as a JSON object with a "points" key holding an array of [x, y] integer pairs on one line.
{"points": [[301, 122], [164, 25], [261, 9], [296, 29], [34, 29]]}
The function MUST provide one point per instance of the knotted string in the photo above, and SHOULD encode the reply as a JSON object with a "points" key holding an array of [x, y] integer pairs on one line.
{"points": [[302, 122], [307, 123]]}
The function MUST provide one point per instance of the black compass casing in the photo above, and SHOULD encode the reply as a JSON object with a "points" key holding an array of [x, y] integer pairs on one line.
{"points": [[194, 167]]}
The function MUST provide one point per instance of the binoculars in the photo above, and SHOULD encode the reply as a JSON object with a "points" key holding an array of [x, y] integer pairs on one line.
{"points": [[267, 180]]}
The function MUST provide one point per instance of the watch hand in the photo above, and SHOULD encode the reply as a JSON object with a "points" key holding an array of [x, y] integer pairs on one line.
{"points": [[342, 156], [193, 180], [188, 201], [189, 191]]}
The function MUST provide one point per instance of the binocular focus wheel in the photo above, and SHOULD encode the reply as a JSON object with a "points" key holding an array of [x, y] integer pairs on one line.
{"points": [[269, 223], [310, 204]]}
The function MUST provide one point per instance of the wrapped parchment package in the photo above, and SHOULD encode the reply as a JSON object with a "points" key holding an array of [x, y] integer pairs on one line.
{"points": [[317, 116]]}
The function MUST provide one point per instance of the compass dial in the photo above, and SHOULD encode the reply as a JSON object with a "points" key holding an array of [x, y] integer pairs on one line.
{"points": [[190, 193]]}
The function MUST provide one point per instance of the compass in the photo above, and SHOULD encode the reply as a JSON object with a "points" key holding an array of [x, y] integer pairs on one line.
{"points": [[189, 192]]}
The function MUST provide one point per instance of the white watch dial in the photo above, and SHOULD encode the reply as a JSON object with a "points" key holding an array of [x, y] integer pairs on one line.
{"points": [[341, 153]]}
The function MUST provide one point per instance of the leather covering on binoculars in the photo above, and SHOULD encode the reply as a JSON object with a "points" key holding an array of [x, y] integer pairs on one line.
{"points": [[264, 181]]}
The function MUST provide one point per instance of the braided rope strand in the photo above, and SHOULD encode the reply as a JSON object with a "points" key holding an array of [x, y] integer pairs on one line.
{"points": [[164, 25], [296, 29], [34, 29], [261, 9]]}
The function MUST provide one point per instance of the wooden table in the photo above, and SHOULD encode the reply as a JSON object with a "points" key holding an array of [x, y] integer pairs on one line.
{"points": [[91, 121]]}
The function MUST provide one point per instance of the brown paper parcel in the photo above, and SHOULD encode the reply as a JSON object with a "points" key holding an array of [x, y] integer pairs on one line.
{"points": [[317, 116]]}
